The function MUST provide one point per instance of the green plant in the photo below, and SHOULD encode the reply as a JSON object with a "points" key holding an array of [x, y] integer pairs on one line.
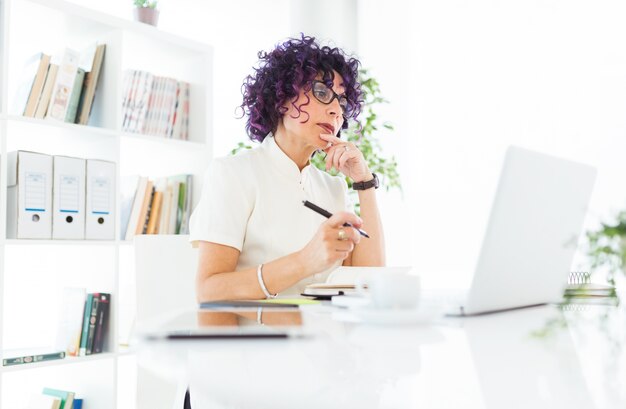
{"points": [[367, 140], [607, 247], [145, 3]]}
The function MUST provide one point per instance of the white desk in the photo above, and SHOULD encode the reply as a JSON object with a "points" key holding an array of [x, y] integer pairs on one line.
{"points": [[491, 361]]}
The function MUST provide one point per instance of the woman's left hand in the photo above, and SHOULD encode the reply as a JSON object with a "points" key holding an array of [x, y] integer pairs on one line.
{"points": [[346, 158]]}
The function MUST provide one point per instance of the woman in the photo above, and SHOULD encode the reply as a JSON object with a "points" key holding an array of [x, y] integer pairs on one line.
{"points": [[256, 239]]}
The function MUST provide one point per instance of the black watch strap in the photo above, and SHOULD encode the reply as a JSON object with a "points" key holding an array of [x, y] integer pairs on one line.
{"points": [[366, 185]]}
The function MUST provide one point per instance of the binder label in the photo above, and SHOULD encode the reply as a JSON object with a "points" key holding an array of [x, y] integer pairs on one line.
{"points": [[35, 192], [100, 196], [68, 194]]}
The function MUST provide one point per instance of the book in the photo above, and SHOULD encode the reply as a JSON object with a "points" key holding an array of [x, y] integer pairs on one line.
{"points": [[178, 112], [93, 319], [102, 323], [174, 112], [186, 101], [38, 401], [323, 290], [143, 101], [85, 330], [184, 227], [165, 208], [37, 84], [78, 404], [169, 109], [580, 286], [46, 93], [155, 213], [63, 84], [26, 356], [174, 180], [144, 230], [71, 320], [137, 96], [590, 290], [181, 206], [67, 398], [143, 213], [72, 109], [136, 211], [89, 86], [128, 190]]}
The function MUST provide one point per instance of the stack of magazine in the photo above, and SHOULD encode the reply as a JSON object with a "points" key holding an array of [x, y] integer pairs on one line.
{"points": [[581, 290]]}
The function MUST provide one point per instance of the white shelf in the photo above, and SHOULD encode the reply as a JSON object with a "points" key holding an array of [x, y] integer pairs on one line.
{"points": [[166, 142], [62, 125], [29, 242], [68, 360], [123, 24], [34, 270]]}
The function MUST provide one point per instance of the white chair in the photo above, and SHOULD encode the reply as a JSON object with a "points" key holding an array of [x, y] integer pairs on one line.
{"points": [[165, 268]]}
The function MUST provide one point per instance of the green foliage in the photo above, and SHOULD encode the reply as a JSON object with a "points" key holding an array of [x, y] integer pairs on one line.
{"points": [[240, 146], [367, 140], [145, 3], [607, 247]]}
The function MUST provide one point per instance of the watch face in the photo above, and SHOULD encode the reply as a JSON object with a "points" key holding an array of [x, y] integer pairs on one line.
{"points": [[375, 180]]}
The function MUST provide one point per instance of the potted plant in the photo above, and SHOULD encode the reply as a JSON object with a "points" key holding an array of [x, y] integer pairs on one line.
{"points": [[607, 247], [366, 140], [146, 11]]}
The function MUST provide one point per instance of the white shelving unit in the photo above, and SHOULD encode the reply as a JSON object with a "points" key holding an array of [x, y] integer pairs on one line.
{"points": [[33, 272]]}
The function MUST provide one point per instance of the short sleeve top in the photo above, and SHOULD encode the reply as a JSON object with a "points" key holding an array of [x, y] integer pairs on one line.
{"points": [[253, 202]]}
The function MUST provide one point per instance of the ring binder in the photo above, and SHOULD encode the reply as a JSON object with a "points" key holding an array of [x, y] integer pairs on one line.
{"points": [[579, 277]]}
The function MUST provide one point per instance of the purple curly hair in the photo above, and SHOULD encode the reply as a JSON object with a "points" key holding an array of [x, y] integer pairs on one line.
{"points": [[284, 71]]}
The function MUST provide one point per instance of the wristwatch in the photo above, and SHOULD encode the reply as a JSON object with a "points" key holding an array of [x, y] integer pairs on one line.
{"points": [[366, 185]]}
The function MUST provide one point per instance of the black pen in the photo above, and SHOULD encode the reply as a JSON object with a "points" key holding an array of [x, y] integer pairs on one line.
{"points": [[328, 215]]}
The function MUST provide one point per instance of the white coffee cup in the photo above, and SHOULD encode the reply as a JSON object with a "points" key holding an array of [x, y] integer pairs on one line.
{"points": [[391, 290]]}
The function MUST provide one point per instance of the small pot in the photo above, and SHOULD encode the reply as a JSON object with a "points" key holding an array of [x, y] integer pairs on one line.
{"points": [[147, 15]]}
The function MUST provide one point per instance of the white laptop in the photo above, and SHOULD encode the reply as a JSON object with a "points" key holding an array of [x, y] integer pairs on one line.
{"points": [[536, 219]]}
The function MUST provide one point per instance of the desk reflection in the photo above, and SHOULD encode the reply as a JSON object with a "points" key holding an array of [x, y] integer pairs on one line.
{"points": [[209, 319], [493, 361], [343, 365]]}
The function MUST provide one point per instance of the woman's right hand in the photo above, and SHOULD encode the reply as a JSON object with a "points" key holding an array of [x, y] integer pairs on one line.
{"points": [[332, 242]]}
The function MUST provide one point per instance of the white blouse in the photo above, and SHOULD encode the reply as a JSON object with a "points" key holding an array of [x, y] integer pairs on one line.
{"points": [[253, 202]]}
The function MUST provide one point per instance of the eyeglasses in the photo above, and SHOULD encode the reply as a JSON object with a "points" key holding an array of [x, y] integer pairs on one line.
{"points": [[325, 95]]}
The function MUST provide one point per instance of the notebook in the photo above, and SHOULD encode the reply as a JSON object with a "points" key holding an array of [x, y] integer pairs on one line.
{"points": [[341, 281]]}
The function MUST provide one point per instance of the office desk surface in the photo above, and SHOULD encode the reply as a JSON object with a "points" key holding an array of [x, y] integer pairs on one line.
{"points": [[531, 358]]}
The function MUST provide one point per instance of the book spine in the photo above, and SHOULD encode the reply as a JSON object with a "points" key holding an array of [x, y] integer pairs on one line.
{"points": [[72, 108], [38, 83], [93, 318], [102, 323], [85, 332], [46, 93], [186, 112], [144, 229], [28, 359], [155, 213], [90, 86], [184, 225], [125, 93], [181, 206], [62, 89]]}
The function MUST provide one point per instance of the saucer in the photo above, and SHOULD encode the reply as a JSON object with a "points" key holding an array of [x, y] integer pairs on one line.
{"points": [[419, 315]]}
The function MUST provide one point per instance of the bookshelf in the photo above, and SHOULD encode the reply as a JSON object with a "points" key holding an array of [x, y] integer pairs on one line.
{"points": [[33, 272]]}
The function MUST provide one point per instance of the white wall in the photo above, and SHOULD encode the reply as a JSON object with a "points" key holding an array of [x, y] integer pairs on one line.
{"points": [[330, 21], [237, 30], [547, 75], [464, 79]]}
